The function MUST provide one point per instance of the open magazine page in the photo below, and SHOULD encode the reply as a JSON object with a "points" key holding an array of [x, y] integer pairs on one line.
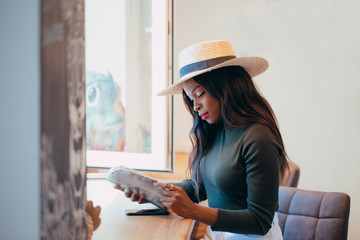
{"points": [[132, 179]]}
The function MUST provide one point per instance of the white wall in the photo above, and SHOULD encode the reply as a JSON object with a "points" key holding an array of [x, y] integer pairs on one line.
{"points": [[19, 116], [313, 82]]}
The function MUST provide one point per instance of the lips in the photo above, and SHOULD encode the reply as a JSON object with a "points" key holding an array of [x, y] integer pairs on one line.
{"points": [[204, 116]]}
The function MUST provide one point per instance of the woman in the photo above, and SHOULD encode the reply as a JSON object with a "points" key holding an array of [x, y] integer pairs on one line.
{"points": [[238, 154]]}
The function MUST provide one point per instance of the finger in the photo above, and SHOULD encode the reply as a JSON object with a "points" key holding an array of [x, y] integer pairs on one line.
{"points": [[119, 187], [168, 186], [169, 193], [97, 223], [142, 199], [128, 193], [160, 184], [166, 204], [97, 210], [166, 199], [135, 196]]}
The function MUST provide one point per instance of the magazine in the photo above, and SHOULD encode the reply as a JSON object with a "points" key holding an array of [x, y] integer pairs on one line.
{"points": [[132, 179]]}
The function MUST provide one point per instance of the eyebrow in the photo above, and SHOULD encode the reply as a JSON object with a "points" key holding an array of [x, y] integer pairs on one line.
{"points": [[195, 88]]}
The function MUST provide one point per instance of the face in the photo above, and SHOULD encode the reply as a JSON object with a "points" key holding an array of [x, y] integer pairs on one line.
{"points": [[204, 104]]}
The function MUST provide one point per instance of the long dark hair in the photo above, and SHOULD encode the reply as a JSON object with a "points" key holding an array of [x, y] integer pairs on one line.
{"points": [[241, 105]]}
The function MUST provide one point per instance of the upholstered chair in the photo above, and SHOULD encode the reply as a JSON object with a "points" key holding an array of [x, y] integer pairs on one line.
{"points": [[313, 215], [290, 179]]}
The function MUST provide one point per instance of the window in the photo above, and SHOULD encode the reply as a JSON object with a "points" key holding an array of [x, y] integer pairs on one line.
{"points": [[128, 60]]}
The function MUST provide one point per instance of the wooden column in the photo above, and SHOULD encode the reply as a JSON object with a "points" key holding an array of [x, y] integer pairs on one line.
{"points": [[63, 145]]}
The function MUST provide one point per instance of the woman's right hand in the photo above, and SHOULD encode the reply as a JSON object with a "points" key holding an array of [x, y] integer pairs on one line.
{"points": [[134, 196]]}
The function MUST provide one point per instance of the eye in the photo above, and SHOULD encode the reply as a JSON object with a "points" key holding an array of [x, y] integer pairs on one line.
{"points": [[201, 94], [92, 95]]}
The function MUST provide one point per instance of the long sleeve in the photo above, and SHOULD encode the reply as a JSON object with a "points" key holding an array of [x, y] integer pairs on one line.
{"points": [[249, 204]]}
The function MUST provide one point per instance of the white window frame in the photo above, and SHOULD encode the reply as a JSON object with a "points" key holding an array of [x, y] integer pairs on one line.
{"points": [[161, 156]]}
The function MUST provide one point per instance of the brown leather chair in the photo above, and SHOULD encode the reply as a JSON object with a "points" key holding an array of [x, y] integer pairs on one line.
{"points": [[313, 215], [291, 178]]}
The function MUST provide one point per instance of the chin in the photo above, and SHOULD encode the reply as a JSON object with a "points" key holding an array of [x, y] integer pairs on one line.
{"points": [[210, 121]]}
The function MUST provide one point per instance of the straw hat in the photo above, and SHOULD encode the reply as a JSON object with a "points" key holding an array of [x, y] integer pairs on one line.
{"points": [[206, 56]]}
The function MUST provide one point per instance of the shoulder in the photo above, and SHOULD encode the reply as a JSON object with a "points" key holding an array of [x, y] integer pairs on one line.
{"points": [[258, 132], [259, 145], [259, 138]]}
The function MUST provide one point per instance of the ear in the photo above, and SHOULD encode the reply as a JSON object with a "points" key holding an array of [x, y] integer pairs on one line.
{"points": [[110, 76]]}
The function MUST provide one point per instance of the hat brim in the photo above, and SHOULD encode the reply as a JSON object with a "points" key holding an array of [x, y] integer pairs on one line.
{"points": [[252, 65]]}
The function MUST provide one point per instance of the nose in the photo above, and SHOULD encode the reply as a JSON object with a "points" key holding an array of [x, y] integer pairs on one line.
{"points": [[196, 107]]}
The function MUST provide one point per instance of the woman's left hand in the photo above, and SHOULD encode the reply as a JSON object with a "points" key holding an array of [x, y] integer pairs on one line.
{"points": [[176, 199]]}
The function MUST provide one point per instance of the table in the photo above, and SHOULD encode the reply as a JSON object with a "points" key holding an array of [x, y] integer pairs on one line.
{"points": [[116, 225]]}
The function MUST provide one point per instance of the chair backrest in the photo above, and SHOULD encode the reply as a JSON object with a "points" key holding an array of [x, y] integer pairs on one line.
{"points": [[313, 215], [291, 178]]}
